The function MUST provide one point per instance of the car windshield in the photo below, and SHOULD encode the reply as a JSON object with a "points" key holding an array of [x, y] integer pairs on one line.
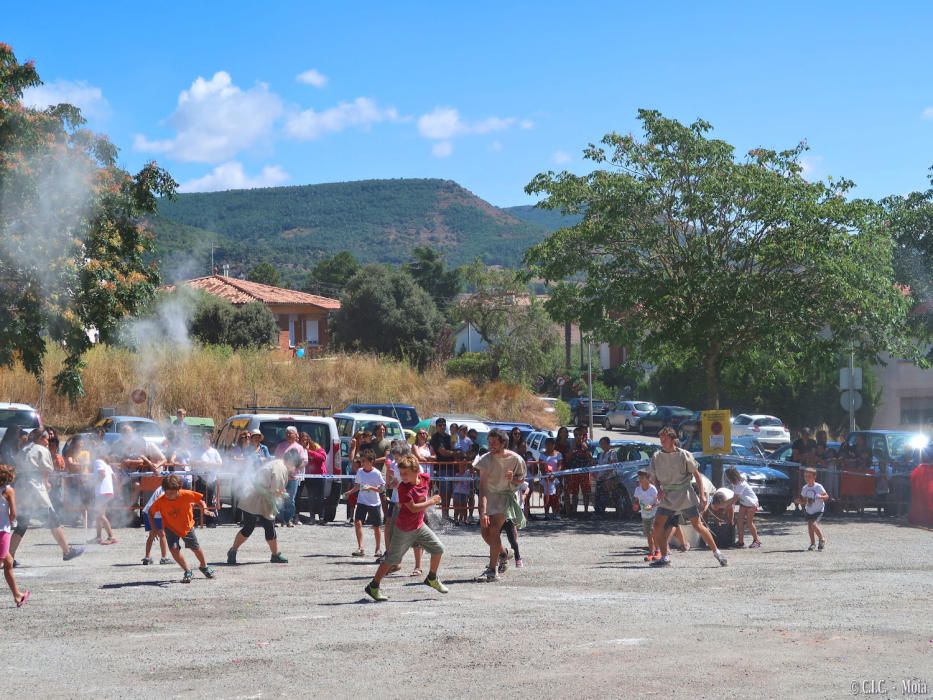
{"points": [[145, 428], [770, 421], [20, 418], [901, 445], [682, 412], [393, 431], [643, 406], [742, 420], [273, 432]]}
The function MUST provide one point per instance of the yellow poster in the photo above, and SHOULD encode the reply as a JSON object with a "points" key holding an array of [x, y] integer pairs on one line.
{"points": [[717, 432]]}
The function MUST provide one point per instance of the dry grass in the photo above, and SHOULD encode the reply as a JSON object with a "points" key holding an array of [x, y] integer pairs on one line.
{"points": [[210, 382]]}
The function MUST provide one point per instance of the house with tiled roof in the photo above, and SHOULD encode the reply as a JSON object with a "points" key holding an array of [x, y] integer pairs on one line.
{"points": [[301, 317]]}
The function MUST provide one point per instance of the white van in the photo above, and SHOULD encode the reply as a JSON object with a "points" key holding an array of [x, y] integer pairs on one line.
{"points": [[349, 424]]}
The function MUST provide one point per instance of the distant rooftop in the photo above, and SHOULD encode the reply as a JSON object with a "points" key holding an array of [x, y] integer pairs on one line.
{"points": [[243, 292]]}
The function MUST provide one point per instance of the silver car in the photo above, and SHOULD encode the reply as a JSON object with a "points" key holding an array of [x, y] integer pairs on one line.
{"points": [[626, 414]]}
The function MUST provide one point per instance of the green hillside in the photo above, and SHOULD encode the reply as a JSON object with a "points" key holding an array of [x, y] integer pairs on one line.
{"points": [[546, 218], [377, 220]]}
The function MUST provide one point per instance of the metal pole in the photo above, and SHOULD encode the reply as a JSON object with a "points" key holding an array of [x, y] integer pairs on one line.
{"points": [[852, 390], [589, 353]]}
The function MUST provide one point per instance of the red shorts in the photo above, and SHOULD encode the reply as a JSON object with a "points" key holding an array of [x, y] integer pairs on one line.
{"points": [[575, 482], [4, 544]]}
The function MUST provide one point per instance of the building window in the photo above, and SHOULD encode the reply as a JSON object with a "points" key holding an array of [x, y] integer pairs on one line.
{"points": [[311, 331], [917, 410]]}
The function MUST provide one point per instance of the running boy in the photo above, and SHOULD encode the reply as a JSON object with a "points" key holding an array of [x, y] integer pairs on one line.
{"points": [[370, 485], [154, 529], [813, 498], [646, 500], [7, 517], [176, 507], [410, 529]]}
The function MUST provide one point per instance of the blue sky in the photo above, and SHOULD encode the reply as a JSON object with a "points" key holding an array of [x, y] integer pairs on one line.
{"points": [[237, 94]]}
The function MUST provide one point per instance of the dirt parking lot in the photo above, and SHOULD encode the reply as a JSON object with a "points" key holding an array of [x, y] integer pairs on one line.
{"points": [[584, 618]]}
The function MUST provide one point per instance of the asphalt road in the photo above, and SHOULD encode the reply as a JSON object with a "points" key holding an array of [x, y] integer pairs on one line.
{"points": [[584, 618]]}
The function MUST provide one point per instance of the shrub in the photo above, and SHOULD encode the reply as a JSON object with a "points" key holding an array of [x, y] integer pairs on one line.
{"points": [[478, 366]]}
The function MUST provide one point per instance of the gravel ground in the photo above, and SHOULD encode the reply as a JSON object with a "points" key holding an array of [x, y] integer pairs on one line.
{"points": [[584, 618]]}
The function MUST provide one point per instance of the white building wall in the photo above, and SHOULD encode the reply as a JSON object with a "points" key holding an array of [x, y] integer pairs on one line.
{"points": [[902, 380]]}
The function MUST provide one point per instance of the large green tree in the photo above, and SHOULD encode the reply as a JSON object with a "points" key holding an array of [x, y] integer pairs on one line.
{"points": [[330, 275], [429, 270], [265, 273], [689, 254], [71, 245], [383, 310]]}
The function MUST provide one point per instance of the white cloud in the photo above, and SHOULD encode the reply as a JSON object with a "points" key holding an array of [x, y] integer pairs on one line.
{"points": [[215, 119], [442, 149], [363, 112], [312, 77], [811, 167], [445, 123], [230, 176], [526, 124], [89, 99], [561, 157], [927, 113]]}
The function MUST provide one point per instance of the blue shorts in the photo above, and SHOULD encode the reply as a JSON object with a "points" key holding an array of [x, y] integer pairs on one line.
{"points": [[148, 526]]}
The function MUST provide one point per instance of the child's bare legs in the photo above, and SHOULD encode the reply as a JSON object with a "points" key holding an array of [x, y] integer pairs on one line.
{"points": [[435, 563], [815, 531], [750, 516], [418, 551], [377, 532], [202, 562], [163, 546], [179, 558], [10, 578], [740, 527], [103, 523], [358, 526]]}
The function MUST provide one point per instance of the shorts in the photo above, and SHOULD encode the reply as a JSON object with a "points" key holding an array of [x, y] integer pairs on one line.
{"points": [[647, 524], [4, 544], [148, 526], [497, 502], [24, 518], [685, 514], [813, 517], [368, 515], [403, 540], [576, 482], [460, 499], [102, 502], [174, 541]]}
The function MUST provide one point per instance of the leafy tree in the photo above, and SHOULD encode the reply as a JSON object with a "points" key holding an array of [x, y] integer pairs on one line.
{"points": [[491, 300], [71, 242], [330, 275], [383, 310], [428, 268], [265, 273], [211, 319], [218, 322], [695, 257]]}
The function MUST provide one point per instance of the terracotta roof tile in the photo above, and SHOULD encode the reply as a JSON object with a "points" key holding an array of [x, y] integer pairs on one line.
{"points": [[243, 292]]}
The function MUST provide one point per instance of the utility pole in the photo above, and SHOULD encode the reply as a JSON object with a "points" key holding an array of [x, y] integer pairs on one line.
{"points": [[851, 390], [589, 352]]}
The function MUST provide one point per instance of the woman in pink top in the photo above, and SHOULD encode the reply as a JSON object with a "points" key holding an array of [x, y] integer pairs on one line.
{"points": [[315, 488]]}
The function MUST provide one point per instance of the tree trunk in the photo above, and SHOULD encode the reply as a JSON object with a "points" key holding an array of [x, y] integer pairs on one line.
{"points": [[567, 345], [711, 367]]}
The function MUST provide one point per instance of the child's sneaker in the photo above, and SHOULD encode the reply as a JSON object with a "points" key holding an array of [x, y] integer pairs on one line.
{"points": [[165, 560], [811, 548], [503, 562], [374, 593], [519, 563], [73, 553], [207, 571], [721, 558], [231, 557], [662, 561], [436, 584], [278, 558], [488, 576], [822, 545], [146, 561], [189, 574]]}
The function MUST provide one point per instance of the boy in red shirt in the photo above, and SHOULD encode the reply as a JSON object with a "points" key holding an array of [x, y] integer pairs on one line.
{"points": [[410, 530], [176, 509]]}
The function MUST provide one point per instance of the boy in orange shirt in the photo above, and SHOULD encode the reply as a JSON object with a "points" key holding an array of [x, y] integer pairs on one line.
{"points": [[176, 509]]}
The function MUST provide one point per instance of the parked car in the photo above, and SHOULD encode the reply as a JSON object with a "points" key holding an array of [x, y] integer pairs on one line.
{"points": [[772, 486], [768, 430], [196, 426], [349, 424], [18, 415], [403, 413], [625, 415], [691, 428], [662, 416], [618, 489], [145, 428], [535, 441], [903, 449], [323, 430], [784, 452], [472, 423], [551, 403], [580, 410]]}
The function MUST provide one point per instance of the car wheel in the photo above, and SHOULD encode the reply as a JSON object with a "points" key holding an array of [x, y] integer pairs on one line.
{"points": [[606, 424], [627, 426]]}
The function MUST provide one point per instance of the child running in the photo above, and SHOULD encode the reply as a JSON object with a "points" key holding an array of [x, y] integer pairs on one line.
{"points": [[813, 498], [103, 495], [176, 506], [646, 499], [370, 485], [7, 517], [155, 529], [748, 506], [410, 529]]}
